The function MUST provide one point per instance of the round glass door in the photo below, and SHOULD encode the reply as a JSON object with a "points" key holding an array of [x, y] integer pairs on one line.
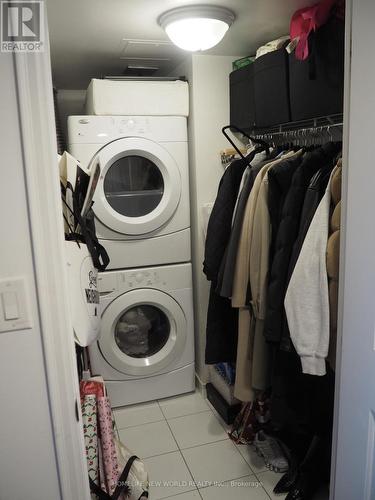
{"points": [[133, 186], [143, 331], [139, 187]]}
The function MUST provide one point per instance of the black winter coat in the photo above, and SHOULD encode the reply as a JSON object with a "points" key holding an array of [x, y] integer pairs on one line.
{"points": [[220, 223], [279, 180], [287, 234], [222, 320]]}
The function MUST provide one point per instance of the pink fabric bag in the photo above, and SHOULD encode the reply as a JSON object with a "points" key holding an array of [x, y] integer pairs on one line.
{"points": [[306, 20]]}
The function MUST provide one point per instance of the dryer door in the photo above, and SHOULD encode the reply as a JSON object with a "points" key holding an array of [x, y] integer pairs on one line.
{"points": [[139, 188], [143, 331]]}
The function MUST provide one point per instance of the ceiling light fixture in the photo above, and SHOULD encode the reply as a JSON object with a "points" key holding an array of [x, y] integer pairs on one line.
{"points": [[196, 27]]}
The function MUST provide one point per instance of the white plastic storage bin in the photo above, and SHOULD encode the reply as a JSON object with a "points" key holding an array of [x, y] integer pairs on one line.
{"points": [[147, 98]]}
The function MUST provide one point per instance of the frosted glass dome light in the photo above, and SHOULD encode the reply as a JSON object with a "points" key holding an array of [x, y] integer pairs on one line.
{"points": [[196, 27]]}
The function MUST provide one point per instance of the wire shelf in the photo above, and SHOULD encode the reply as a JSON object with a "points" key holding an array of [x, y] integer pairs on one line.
{"points": [[322, 121]]}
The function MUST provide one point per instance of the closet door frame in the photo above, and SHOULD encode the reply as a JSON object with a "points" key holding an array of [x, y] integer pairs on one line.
{"points": [[344, 201], [38, 137], [353, 450]]}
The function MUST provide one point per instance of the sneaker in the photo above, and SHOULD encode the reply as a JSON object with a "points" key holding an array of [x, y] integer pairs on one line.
{"points": [[271, 451]]}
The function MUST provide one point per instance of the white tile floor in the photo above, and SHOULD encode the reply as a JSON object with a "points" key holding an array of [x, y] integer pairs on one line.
{"points": [[188, 453]]}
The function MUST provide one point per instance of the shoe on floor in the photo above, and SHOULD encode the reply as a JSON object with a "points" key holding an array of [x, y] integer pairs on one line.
{"points": [[271, 452], [286, 483]]}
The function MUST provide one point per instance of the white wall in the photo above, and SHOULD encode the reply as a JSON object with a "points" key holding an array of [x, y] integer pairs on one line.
{"points": [[70, 102], [209, 111], [27, 454]]}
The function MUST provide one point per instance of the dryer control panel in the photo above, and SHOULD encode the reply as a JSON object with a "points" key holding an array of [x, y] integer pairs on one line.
{"points": [[133, 125], [102, 129]]}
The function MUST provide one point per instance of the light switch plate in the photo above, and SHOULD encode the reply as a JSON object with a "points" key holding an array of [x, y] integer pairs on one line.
{"points": [[13, 290]]}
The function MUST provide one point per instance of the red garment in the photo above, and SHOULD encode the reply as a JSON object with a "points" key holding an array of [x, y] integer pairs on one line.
{"points": [[309, 19]]}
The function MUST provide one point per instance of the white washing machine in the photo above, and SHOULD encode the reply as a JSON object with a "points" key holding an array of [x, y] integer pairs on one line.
{"points": [[142, 196], [145, 349]]}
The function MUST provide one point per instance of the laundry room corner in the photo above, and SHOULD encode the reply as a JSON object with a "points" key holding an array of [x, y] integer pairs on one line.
{"points": [[204, 73]]}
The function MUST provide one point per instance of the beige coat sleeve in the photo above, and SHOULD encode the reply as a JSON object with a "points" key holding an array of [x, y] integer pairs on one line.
{"points": [[241, 272], [259, 251]]}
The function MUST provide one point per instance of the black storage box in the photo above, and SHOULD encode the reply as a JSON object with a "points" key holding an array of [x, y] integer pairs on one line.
{"points": [[242, 106], [271, 89], [227, 412], [317, 84]]}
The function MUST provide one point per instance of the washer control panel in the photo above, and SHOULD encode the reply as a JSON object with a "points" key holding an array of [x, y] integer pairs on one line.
{"points": [[141, 279], [166, 278]]}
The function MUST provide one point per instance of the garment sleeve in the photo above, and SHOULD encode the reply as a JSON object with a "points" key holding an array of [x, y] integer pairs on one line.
{"points": [[241, 272], [259, 251], [307, 300]]}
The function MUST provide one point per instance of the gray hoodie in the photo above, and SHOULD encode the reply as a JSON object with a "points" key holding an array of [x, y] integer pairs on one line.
{"points": [[307, 301]]}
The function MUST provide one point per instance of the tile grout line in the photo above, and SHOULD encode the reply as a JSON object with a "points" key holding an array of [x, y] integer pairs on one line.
{"points": [[229, 480], [255, 472], [139, 425], [161, 409], [183, 458], [203, 444], [191, 414], [161, 454], [179, 494]]}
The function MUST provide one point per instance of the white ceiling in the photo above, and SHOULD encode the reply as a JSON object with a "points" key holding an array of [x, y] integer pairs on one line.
{"points": [[87, 36]]}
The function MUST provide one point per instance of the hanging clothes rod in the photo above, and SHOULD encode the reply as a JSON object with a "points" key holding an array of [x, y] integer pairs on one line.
{"points": [[309, 131]]}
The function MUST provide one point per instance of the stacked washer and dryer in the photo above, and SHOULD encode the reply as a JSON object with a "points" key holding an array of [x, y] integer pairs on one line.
{"points": [[137, 132]]}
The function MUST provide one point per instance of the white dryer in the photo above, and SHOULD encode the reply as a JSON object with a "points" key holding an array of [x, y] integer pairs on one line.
{"points": [[145, 349], [142, 196]]}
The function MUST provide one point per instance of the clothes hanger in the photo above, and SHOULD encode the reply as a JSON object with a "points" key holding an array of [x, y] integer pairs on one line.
{"points": [[263, 145]]}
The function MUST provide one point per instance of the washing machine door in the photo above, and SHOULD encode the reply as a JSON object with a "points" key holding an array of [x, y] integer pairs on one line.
{"points": [[143, 331], [139, 188]]}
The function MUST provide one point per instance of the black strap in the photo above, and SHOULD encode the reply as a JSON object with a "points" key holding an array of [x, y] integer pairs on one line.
{"points": [[102, 495], [121, 487], [98, 253], [122, 481]]}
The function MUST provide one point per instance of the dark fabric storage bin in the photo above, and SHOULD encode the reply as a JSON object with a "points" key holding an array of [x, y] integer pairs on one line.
{"points": [[317, 84], [271, 89], [242, 106]]}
